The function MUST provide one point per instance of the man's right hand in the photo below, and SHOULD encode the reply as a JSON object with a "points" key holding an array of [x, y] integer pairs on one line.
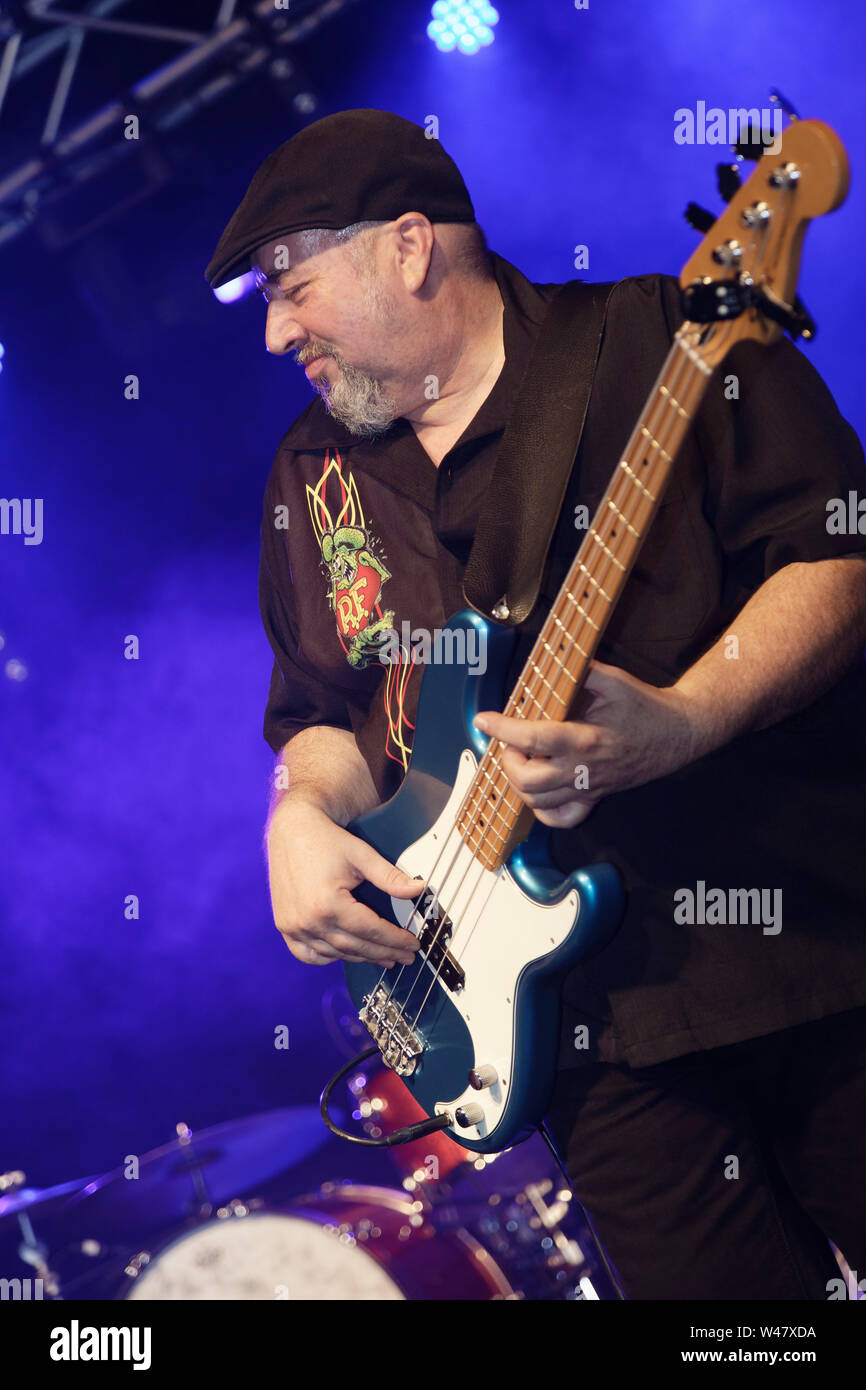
{"points": [[314, 866]]}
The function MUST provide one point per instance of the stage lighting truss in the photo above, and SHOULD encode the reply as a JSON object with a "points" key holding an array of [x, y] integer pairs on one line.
{"points": [[462, 26], [246, 42]]}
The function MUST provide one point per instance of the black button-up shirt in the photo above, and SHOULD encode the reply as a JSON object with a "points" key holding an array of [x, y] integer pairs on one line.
{"points": [[360, 537]]}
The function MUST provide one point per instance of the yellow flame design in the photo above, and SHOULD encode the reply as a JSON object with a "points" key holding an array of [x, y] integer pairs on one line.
{"points": [[351, 513]]}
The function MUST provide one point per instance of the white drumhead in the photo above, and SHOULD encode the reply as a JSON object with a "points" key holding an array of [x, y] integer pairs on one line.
{"points": [[264, 1257]]}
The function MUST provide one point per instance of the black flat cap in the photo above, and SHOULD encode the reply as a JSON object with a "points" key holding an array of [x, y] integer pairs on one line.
{"points": [[353, 166]]}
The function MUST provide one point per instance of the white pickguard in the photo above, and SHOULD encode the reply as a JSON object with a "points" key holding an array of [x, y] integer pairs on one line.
{"points": [[498, 931]]}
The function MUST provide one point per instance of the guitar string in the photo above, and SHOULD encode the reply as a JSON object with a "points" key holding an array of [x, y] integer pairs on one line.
{"points": [[680, 339], [598, 587], [656, 445], [686, 330], [492, 769], [490, 756]]}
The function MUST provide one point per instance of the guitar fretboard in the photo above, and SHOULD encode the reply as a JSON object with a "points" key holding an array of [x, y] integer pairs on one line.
{"points": [[559, 660]]}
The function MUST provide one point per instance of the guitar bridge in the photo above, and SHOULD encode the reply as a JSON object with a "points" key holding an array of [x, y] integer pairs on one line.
{"points": [[399, 1045]]}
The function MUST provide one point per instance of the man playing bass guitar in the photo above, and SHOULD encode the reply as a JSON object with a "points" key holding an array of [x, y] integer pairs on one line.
{"points": [[711, 1090]]}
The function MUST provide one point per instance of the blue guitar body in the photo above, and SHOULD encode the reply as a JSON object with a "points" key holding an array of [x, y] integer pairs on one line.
{"points": [[474, 1029]]}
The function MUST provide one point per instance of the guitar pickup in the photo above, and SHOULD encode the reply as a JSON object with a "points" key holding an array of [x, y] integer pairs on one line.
{"points": [[434, 938]]}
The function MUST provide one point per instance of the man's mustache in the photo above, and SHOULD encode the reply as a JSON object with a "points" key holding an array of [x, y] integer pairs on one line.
{"points": [[310, 353]]}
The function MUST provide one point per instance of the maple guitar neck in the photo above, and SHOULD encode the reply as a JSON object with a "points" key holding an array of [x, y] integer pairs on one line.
{"points": [[740, 283], [490, 819]]}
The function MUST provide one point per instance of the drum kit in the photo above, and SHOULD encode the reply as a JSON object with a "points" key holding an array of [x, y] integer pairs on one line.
{"points": [[216, 1215]]}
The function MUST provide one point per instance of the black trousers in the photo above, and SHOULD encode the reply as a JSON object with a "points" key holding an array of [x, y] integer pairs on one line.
{"points": [[723, 1174]]}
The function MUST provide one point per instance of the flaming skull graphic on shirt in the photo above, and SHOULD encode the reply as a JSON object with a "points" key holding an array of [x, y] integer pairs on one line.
{"points": [[355, 572]]}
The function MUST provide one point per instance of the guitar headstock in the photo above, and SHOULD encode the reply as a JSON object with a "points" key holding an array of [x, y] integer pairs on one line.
{"points": [[753, 248]]}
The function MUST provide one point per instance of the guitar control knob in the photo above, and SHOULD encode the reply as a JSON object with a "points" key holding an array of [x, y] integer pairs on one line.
{"points": [[467, 1115], [481, 1077]]}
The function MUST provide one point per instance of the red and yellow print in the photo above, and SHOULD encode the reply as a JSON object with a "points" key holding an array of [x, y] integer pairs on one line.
{"points": [[356, 577]]}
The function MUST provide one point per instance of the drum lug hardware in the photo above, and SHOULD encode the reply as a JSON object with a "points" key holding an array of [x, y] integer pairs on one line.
{"points": [[233, 1208]]}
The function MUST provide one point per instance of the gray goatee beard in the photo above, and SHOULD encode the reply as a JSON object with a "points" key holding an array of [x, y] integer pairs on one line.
{"points": [[357, 400]]}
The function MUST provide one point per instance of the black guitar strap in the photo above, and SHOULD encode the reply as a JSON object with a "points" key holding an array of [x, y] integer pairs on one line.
{"points": [[535, 458]]}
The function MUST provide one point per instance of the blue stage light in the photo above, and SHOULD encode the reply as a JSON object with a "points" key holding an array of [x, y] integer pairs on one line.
{"points": [[464, 25], [2, 351]]}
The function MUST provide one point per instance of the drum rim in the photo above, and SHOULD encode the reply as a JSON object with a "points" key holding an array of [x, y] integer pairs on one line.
{"points": [[395, 1201]]}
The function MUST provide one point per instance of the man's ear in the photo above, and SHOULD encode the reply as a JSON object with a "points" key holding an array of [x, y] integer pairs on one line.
{"points": [[415, 240]]}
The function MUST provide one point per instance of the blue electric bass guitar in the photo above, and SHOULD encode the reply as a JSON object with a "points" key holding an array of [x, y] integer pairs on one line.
{"points": [[472, 1026]]}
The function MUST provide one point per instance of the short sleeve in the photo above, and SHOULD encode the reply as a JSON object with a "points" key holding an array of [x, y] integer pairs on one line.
{"points": [[298, 697], [778, 456]]}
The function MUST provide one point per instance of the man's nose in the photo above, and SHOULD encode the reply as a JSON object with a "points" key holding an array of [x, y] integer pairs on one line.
{"points": [[282, 332]]}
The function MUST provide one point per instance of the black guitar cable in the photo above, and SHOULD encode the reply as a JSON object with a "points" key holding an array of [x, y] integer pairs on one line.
{"points": [[400, 1136]]}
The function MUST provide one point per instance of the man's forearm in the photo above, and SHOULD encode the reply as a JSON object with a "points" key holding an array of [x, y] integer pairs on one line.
{"points": [[324, 767], [794, 639]]}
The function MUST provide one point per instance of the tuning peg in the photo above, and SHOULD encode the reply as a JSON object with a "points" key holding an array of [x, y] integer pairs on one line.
{"points": [[782, 102], [804, 324], [794, 318], [754, 143], [728, 179], [699, 217]]}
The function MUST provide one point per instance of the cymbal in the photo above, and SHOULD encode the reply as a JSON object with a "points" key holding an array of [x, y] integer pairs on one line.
{"points": [[228, 1160], [47, 1199]]}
